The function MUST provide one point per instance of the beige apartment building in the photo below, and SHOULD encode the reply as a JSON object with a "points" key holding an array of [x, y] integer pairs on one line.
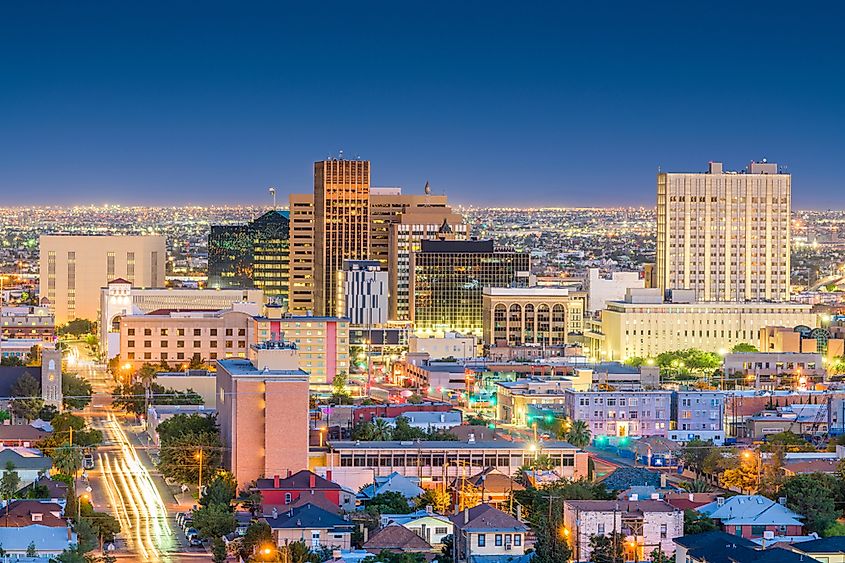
{"points": [[73, 268], [645, 326], [175, 337], [262, 408], [322, 342], [830, 342], [725, 235], [301, 288], [515, 316], [341, 226]]}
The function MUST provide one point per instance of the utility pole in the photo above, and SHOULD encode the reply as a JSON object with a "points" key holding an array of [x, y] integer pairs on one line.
{"points": [[199, 480]]}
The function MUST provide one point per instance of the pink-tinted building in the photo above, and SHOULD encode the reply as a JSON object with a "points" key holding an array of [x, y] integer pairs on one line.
{"points": [[262, 406]]}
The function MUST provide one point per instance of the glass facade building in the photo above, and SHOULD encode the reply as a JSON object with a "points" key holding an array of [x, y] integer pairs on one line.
{"points": [[447, 280], [255, 255]]}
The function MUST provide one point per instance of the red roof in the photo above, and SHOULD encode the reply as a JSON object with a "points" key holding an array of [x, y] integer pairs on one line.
{"points": [[398, 538], [301, 480]]}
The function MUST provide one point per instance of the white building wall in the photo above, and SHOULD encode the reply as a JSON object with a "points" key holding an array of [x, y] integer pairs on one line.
{"points": [[601, 290]]}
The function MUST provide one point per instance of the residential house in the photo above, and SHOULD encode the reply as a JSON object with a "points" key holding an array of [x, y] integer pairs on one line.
{"points": [[689, 501], [395, 482], [395, 538], [279, 493], [30, 464], [49, 541], [804, 420], [655, 451], [646, 524], [750, 516], [24, 513], [21, 435], [720, 547], [56, 490], [487, 531], [489, 486], [825, 550], [318, 528], [428, 525]]}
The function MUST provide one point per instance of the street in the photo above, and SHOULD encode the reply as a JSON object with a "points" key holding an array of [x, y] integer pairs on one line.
{"points": [[125, 484]]}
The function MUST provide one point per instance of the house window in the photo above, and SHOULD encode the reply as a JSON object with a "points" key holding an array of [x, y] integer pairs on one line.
{"points": [[498, 540], [757, 531], [482, 540], [441, 531], [738, 530], [517, 539], [288, 498], [663, 531], [600, 530], [315, 538]]}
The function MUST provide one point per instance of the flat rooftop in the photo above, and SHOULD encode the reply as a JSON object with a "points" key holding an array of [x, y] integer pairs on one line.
{"points": [[244, 367], [447, 445]]}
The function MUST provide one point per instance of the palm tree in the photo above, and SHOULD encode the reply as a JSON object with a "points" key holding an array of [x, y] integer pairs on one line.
{"points": [[697, 486], [381, 430], [66, 459], [579, 434]]}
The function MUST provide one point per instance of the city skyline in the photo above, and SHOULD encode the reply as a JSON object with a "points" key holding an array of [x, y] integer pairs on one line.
{"points": [[578, 108]]}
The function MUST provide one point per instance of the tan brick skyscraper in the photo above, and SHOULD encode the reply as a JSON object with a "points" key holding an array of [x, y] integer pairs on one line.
{"points": [[725, 235], [341, 225]]}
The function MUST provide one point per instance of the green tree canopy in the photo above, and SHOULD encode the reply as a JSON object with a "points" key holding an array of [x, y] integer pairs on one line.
{"points": [[180, 456], [814, 496], [221, 490], [390, 502], [77, 327], [744, 347], [76, 391], [26, 393]]}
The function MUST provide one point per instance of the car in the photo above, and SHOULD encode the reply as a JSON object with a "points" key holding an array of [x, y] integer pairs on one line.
{"points": [[88, 461], [180, 517], [195, 541], [187, 524], [192, 533]]}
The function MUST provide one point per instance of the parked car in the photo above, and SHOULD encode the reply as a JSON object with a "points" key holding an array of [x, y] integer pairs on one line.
{"points": [[191, 533], [195, 541], [88, 461]]}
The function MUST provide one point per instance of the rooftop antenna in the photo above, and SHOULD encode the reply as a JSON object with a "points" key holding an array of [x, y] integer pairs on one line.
{"points": [[340, 154], [427, 188], [272, 191]]}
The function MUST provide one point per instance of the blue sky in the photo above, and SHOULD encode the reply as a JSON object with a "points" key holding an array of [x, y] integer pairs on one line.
{"points": [[494, 103]]}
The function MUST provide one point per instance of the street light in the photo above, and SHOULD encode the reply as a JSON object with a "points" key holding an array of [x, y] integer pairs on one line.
{"points": [[198, 457]]}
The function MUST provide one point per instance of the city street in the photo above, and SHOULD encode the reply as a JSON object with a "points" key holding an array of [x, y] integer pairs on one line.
{"points": [[125, 484]]}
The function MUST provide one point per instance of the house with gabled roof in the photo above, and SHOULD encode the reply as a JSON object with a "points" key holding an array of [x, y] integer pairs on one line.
{"points": [[485, 533], [317, 527], [750, 516]]}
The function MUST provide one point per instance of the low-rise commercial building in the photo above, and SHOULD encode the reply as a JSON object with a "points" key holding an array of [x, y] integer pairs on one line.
{"points": [[613, 287], [830, 342], [450, 345], [775, 364], [168, 336], [514, 316], [353, 464], [119, 299], [34, 323], [645, 326]]}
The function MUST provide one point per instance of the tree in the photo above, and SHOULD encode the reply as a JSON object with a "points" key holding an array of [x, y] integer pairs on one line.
{"points": [[390, 557], [746, 475], [48, 412], [63, 423], [77, 327], [438, 499], [214, 521], [219, 553], [4, 416], [445, 555], [551, 544], [382, 430], [26, 393], [658, 556], [339, 383], [814, 496], [789, 440], [71, 555], [404, 431], [697, 486], [10, 482], [579, 434], [182, 424], [11, 361], [697, 523], [390, 502], [744, 347], [31, 551], [76, 392], [695, 452], [221, 490], [67, 459], [607, 548], [180, 456], [258, 533]]}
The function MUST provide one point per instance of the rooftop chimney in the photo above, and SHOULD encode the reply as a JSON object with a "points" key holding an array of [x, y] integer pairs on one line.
{"points": [[466, 516], [276, 483], [312, 480], [328, 474]]}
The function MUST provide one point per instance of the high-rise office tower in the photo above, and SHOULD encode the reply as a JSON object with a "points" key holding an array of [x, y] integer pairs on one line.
{"points": [[73, 268], [447, 280], [364, 292], [341, 226], [412, 227], [725, 235], [388, 206], [254, 255], [301, 291]]}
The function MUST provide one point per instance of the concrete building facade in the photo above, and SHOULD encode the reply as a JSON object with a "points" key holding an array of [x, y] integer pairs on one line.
{"points": [[725, 235], [647, 327], [301, 287], [73, 268], [262, 407], [515, 316], [613, 287], [364, 292]]}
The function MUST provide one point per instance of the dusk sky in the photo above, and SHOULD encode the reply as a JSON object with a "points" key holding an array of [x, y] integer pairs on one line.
{"points": [[515, 103]]}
